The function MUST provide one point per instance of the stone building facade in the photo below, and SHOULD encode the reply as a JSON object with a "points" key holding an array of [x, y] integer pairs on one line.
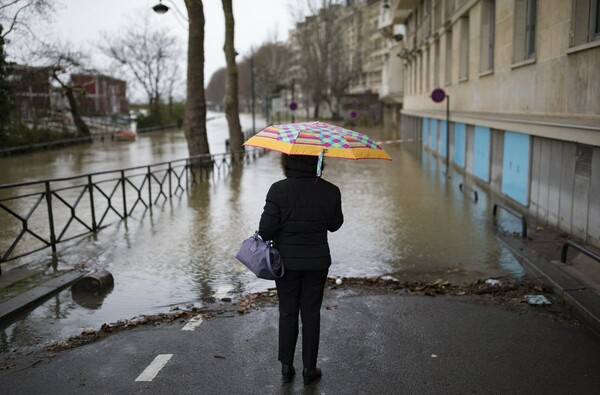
{"points": [[523, 80]]}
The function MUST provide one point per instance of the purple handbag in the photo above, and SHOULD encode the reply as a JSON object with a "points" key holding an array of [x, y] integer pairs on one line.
{"points": [[261, 258]]}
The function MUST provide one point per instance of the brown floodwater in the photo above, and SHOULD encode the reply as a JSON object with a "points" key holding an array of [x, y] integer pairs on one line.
{"points": [[403, 218]]}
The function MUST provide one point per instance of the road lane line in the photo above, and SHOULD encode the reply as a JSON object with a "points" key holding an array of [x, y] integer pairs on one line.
{"points": [[155, 366], [193, 324]]}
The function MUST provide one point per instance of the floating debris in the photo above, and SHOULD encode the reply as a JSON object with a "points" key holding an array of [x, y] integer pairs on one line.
{"points": [[537, 300]]}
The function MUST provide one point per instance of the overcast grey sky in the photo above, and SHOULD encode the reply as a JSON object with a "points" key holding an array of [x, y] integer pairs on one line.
{"points": [[256, 21]]}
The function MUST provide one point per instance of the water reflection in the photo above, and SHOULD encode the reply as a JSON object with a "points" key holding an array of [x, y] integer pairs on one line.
{"points": [[403, 217]]}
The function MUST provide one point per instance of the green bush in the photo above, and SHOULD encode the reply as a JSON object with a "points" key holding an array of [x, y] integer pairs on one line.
{"points": [[167, 116], [19, 134]]}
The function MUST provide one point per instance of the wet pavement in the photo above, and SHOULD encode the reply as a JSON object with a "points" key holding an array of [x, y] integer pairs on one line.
{"points": [[374, 341]]}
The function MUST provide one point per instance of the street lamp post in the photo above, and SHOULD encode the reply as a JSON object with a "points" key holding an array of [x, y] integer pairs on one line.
{"points": [[293, 98]]}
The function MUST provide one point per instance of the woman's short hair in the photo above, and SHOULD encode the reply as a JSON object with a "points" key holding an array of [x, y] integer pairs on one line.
{"points": [[303, 163]]}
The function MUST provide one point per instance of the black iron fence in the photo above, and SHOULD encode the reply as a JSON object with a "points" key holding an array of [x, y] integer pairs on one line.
{"points": [[42, 214]]}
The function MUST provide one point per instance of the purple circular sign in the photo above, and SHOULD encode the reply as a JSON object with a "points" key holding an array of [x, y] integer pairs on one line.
{"points": [[293, 106], [353, 114], [438, 95]]}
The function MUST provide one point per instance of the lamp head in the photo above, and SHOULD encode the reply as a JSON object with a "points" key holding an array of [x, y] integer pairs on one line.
{"points": [[160, 8]]}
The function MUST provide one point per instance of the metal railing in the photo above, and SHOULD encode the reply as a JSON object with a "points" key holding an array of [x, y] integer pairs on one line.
{"points": [[42, 214], [569, 243], [516, 214]]}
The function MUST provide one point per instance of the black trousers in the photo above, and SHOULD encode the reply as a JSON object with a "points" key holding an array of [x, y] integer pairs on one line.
{"points": [[300, 291]]}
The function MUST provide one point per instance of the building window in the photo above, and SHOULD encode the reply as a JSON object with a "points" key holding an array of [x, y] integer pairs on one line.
{"points": [[525, 19], [463, 70], [585, 26], [488, 22], [448, 57]]}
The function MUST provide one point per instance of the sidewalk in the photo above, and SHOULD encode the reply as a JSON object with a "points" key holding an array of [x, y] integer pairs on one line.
{"points": [[23, 289], [373, 341], [577, 281]]}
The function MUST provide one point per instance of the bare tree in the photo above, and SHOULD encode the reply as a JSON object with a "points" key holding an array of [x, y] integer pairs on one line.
{"points": [[6, 104], [194, 123], [63, 61], [315, 39], [231, 104], [345, 64], [328, 64], [149, 56], [15, 15], [271, 61]]}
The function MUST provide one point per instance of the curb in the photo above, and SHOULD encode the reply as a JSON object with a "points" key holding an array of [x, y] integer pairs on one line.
{"points": [[40, 293], [585, 303]]}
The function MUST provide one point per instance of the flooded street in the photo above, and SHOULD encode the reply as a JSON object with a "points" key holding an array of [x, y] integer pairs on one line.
{"points": [[402, 218]]}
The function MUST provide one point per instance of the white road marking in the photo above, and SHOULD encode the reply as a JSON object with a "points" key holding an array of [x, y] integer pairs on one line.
{"points": [[155, 366], [193, 324]]}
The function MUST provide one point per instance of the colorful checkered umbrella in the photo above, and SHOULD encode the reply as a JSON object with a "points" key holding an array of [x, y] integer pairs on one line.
{"points": [[318, 139]]}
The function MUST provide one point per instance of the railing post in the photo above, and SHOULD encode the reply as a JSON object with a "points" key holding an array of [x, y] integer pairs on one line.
{"points": [[186, 173], [563, 253], [149, 175], [170, 170], [124, 197], [50, 217], [92, 207]]}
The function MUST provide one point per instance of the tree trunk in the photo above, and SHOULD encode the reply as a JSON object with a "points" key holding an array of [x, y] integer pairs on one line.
{"points": [[316, 111], [236, 138], [5, 90], [82, 127], [155, 109], [194, 122]]}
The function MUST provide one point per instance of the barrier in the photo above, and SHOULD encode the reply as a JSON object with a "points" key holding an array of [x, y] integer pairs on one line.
{"points": [[76, 206], [569, 243], [516, 214]]}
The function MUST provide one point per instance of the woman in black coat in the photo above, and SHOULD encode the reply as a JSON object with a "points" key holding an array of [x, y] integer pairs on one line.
{"points": [[299, 211]]}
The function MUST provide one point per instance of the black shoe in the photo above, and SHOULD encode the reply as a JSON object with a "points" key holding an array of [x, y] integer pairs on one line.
{"points": [[287, 372], [311, 375]]}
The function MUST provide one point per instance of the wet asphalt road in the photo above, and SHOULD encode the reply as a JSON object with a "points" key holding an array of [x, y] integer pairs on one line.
{"points": [[372, 343]]}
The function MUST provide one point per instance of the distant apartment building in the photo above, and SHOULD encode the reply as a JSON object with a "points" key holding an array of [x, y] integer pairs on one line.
{"points": [[523, 77], [359, 49], [31, 92], [391, 91], [101, 95]]}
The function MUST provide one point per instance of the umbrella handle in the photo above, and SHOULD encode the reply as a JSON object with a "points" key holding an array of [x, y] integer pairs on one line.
{"points": [[320, 163]]}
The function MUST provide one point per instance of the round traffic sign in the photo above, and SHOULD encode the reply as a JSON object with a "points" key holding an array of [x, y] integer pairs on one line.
{"points": [[353, 114], [293, 106], [438, 95]]}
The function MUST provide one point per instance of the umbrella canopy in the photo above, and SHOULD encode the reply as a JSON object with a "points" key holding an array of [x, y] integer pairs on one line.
{"points": [[318, 139]]}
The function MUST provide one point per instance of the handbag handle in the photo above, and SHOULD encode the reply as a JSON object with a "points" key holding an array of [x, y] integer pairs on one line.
{"points": [[269, 265]]}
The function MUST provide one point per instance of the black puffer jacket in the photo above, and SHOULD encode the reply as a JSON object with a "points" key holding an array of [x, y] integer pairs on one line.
{"points": [[298, 213]]}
